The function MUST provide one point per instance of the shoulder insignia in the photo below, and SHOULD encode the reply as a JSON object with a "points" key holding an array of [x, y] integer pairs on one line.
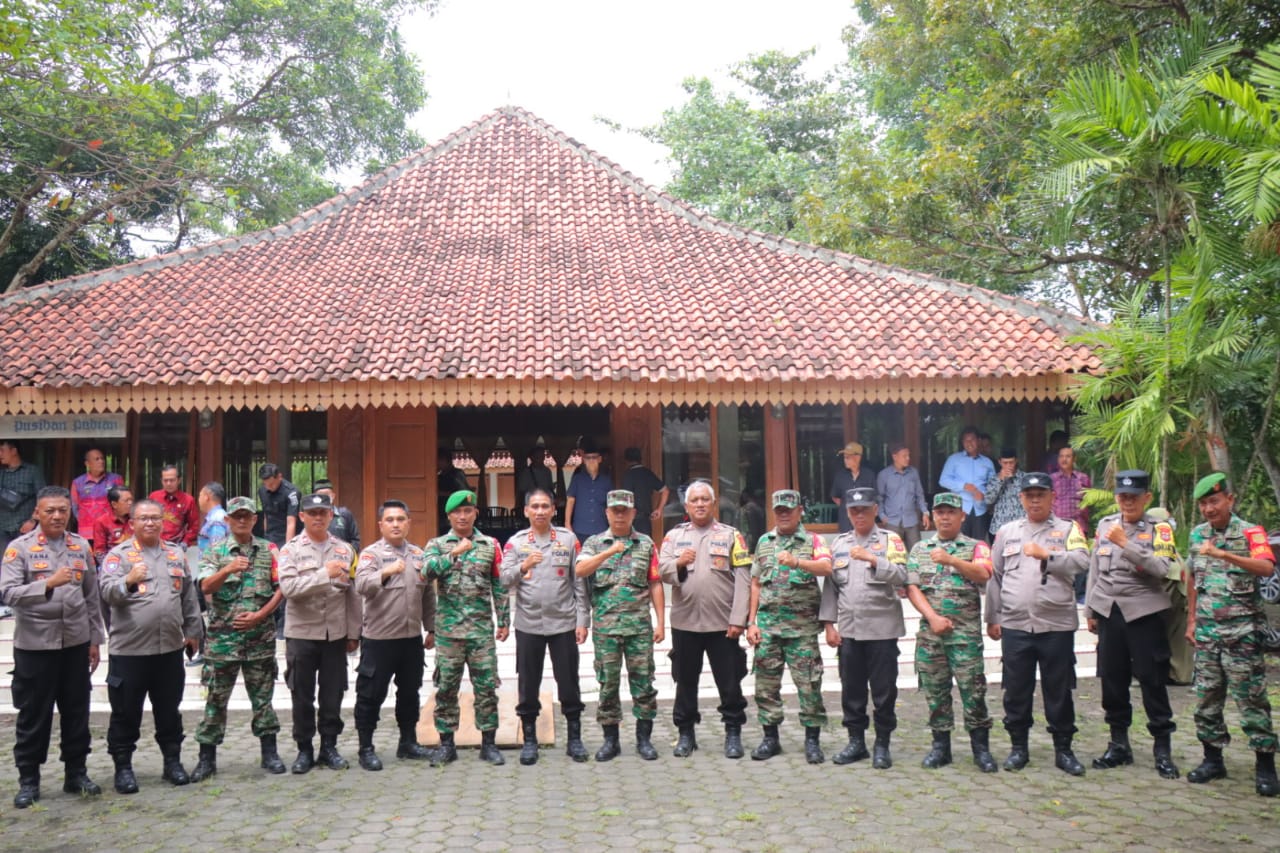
{"points": [[10, 553]]}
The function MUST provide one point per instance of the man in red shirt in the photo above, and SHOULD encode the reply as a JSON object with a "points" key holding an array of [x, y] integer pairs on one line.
{"points": [[116, 526], [181, 516]]}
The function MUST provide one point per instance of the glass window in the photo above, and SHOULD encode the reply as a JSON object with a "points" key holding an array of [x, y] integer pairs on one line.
{"points": [[686, 454], [1006, 423], [940, 428], [740, 458], [308, 448], [244, 448], [880, 425], [819, 436], [162, 440]]}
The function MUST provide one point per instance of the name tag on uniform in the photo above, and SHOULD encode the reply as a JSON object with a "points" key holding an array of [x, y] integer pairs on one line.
{"points": [[1012, 549]]}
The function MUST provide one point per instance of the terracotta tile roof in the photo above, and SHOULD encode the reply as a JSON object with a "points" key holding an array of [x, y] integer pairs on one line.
{"points": [[509, 251]]}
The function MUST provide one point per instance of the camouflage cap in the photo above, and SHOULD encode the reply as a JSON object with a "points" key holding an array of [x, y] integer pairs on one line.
{"points": [[950, 499], [314, 501], [241, 505], [787, 498], [620, 497], [1213, 484], [460, 498]]}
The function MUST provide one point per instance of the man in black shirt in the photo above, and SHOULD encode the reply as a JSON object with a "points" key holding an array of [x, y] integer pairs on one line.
{"points": [[643, 483], [279, 499], [344, 522]]}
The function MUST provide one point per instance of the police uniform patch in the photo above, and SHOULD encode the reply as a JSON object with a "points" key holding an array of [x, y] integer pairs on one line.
{"points": [[40, 566], [10, 553], [111, 563]]}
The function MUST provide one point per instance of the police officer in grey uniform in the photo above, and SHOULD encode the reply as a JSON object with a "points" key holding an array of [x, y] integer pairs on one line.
{"points": [[1031, 610], [48, 578], [155, 613], [709, 568], [551, 614], [399, 604], [1127, 607], [863, 617]]}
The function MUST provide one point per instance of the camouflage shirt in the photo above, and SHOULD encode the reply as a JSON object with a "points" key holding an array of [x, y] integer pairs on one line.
{"points": [[1228, 605], [789, 598], [242, 592], [948, 592], [619, 589], [468, 588]]}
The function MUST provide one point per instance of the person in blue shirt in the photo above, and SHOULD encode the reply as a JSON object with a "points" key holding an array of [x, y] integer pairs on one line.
{"points": [[967, 472], [584, 509], [902, 503]]}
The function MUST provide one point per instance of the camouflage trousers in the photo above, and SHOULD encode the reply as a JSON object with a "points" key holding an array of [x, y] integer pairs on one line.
{"points": [[1238, 669], [480, 656], [802, 656], [219, 678], [939, 659], [636, 650]]}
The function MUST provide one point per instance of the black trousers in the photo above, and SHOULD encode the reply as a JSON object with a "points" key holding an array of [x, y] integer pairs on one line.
{"points": [[871, 663], [728, 667], [131, 679], [1054, 652], [531, 653], [1129, 650], [977, 526], [307, 661], [380, 661], [42, 679]]}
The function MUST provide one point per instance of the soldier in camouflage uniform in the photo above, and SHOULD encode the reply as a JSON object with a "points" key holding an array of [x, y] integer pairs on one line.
{"points": [[621, 568], [464, 564], [1228, 555], [783, 625], [946, 574], [239, 576]]}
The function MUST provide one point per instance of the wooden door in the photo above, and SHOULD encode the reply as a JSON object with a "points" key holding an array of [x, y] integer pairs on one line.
{"points": [[403, 466]]}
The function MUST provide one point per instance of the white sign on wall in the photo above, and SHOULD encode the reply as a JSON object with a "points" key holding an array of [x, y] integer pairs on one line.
{"points": [[62, 426]]}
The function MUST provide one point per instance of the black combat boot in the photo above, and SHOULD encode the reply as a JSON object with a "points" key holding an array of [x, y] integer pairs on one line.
{"points": [[270, 756], [446, 752], [881, 759], [1162, 751], [28, 788], [367, 756], [940, 752], [573, 746], [1264, 779], [644, 743], [206, 764], [1211, 768], [980, 742], [174, 772], [733, 741], [1118, 751], [854, 750], [769, 746], [409, 748], [1063, 758], [812, 746], [529, 746], [489, 749], [1019, 754], [125, 781], [77, 781], [687, 743], [329, 755], [306, 758], [611, 748]]}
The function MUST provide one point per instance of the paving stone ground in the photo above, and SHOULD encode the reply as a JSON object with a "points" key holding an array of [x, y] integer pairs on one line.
{"points": [[702, 803]]}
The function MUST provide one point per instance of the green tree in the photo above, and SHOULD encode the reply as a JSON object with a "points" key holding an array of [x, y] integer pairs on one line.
{"points": [[124, 116]]}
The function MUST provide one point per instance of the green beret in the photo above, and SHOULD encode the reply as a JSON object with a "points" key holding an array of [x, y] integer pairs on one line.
{"points": [[1210, 485], [461, 498], [948, 499]]}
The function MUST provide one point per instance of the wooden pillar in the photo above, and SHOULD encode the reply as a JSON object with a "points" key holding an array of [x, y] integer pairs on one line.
{"points": [[190, 474], [132, 451], [208, 450], [851, 423], [65, 468], [1033, 453], [345, 463], [911, 430], [780, 462], [273, 441]]}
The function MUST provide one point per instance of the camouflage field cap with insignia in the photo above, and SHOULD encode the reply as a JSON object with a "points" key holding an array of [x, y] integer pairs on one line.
{"points": [[1212, 484], [460, 498], [950, 499], [314, 501], [1037, 480], [1134, 482], [241, 505], [620, 497], [861, 496], [786, 498]]}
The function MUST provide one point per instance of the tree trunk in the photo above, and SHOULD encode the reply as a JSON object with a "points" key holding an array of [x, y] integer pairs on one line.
{"points": [[1216, 436]]}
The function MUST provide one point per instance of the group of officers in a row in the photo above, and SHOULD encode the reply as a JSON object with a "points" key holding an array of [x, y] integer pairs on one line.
{"points": [[393, 600]]}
